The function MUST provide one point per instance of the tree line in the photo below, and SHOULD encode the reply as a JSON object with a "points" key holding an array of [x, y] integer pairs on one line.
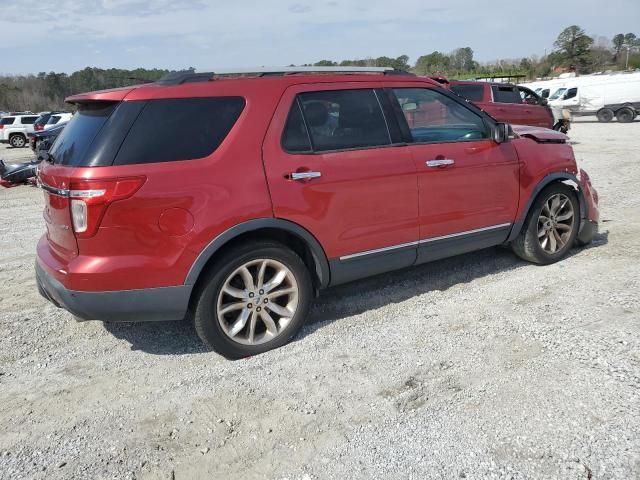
{"points": [[573, 50]]}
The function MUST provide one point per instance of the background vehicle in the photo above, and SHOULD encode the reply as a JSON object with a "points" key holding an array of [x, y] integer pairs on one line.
{"points": [[42, 141], [47, 120], [233, 199], [15, 128], [506, 103], [613, 96]]}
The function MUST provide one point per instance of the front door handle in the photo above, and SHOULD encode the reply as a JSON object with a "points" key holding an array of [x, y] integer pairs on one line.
{"points": [[440, 163], [304, 175]]}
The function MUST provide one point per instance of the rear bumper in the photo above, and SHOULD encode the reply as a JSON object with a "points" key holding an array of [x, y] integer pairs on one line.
{"points": [[150, 304]]}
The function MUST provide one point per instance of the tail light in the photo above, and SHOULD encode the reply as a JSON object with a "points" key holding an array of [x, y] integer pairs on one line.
{"points": [[90, 199], [1, 126], [38, 127]]}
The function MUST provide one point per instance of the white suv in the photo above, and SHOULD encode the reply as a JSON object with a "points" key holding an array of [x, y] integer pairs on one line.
{"points": [[14, 129], [56, 118]]}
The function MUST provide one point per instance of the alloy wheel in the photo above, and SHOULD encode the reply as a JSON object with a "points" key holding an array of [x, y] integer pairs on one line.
{"points": [[556, 223], [257, 301]]}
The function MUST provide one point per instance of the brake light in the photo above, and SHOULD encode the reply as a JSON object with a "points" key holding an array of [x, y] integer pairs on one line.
{"points": [[90, 199], [1, 126], [38, 127]]}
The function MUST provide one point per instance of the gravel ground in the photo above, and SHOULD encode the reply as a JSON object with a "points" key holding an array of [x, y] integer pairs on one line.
{"points": [[480, 366]]}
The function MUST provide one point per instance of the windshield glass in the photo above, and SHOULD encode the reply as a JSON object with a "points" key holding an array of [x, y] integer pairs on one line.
{"points": [[75, 139], [557, 94]]}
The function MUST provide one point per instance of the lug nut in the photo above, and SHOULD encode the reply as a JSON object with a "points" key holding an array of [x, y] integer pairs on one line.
{"points": [[258, 309], [266, 300], [250, 305], [261, 292], [251, 294]]}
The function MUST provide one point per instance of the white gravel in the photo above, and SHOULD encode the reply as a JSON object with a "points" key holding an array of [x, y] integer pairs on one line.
{"points": [[480, 366]]}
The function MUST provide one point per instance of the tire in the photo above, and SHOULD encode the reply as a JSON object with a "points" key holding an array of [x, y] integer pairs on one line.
{"points": [[17, 141], [605, 115], [229, 333], [555, 242], [625, 115]]}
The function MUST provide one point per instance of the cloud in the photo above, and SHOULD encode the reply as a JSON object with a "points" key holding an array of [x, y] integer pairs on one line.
{"points": [[298, 8]]}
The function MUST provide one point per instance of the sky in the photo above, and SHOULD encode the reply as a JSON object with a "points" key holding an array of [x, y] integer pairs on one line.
{"points": [[68, 35]]}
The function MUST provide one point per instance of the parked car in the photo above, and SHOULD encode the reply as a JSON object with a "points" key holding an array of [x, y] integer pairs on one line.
{"points": [[42, 141], [509, 103], [15, 128], [47, 120], [232, 200]]}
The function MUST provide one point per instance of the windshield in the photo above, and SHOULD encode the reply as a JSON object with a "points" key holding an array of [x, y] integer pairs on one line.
{"points": [[557, 94], [75, 139]]}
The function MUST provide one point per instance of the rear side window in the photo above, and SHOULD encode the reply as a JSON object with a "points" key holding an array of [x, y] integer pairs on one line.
{"points": [[53, 120], [7, 121], [343, 119], [506, 94], [75, 139], [296, 137], [473, 93], [179, 129], [28, 120]]}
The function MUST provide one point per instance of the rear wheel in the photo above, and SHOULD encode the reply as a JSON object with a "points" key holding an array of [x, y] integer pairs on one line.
{"points": [[551, 226], [625, 115], [255, 299], [17, 141], [605, 115]]}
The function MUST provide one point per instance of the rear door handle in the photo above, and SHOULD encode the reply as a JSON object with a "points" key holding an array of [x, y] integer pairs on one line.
{"points": [[440, 163], [304, 175]]}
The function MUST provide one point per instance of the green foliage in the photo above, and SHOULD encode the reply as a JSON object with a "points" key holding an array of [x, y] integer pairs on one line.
{"points": [[574, 46], [47, 91]]}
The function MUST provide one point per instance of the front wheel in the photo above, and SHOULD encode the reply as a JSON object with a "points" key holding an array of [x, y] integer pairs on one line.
{"points": [[551, 226], [254, 299]]}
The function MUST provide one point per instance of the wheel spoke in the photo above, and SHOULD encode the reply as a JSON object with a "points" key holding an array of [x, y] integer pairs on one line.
{"points": [[261, 270], [555, 203], [272, 328], [232, 307], [545, 210], [247, 278], [565, 216], [277, 279], [558, 238], [252, 327], [240, 322], [282, 292], [563, 227], [234, 292], [541, 232], [278, 310], [552, 243]]}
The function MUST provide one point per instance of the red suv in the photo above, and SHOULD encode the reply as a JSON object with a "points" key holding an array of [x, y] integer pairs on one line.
{"points": [[232, 200]]}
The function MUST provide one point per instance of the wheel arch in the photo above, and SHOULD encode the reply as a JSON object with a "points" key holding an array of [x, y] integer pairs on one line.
{"points": [[558, 177], [291, 234]]}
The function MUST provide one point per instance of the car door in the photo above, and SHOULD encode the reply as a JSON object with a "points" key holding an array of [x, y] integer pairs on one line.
{"points": [[507, 105], [536, 109], [333, 167], [467, 183]]}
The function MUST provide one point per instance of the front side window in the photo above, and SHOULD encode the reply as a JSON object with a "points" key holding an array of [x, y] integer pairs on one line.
{"points": [[571, 93], [433, 117], [506, 94], [343, 119], [557, 94]]}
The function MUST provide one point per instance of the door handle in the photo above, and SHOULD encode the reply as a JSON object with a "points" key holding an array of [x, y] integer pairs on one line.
{"points": [[304, 175], [440, 163]]}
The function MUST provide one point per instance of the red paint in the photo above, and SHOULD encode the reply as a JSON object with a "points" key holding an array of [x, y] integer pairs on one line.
{"points": [[365, 199]]}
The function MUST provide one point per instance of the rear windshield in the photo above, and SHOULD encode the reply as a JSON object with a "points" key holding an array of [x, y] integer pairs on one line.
{"points": [[42, 119], [473, 93], [102, 134], [7, 121], [53, 120]]}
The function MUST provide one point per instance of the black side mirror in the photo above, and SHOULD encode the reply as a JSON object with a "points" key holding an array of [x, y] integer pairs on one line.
{"points": [[501, 132], [544, 102]]}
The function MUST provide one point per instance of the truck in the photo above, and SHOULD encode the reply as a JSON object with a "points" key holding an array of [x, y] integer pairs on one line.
{"points": [[606, 97]]}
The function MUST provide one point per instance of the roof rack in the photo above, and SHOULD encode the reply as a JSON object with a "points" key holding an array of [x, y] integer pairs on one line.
{"points": [[190, 76]]}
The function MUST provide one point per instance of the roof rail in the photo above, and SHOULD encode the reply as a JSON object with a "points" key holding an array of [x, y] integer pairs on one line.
{"points": [[190, 76]]}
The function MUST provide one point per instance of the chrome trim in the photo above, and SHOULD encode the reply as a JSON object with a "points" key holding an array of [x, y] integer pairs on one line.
{"points": [[304, 175], [378, 250], [468, 232], [61, 192], [420, 242], [440, 162]]}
